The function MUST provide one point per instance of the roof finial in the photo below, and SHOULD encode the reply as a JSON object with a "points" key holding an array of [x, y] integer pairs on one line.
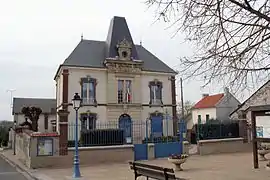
{"points": [[82, 36], [140, 42]]}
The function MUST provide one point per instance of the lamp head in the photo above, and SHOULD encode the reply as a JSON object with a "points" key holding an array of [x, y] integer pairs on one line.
{"points": [[76, 101]]}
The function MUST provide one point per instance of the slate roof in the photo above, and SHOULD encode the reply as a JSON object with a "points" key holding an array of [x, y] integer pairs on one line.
{"points": [[90, 53], [208, 101], [46, 105], [118, 31], [258, 90]]}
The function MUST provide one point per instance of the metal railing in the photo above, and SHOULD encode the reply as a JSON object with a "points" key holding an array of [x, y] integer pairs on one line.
{"points": [[106, 133], [217, 130]]}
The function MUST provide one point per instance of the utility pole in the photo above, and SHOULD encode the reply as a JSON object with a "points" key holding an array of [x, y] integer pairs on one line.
{"points": [[15, 123], [11, 97], [182, 98]]}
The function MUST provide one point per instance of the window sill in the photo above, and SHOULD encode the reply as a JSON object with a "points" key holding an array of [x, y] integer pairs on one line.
{"points": [[156, 105], [125, 104], [89, 104]]}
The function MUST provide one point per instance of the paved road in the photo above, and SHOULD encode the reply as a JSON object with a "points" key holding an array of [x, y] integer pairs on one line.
{"points": [[7, 172]]}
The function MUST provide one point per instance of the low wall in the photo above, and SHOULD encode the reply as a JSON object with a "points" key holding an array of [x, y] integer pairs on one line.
{"points": [[88, 156], [30, 146], [41, 150], [23, 148], [216, 146], [94, 155]]}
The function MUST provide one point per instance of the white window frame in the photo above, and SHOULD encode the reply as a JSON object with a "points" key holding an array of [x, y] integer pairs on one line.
{"points": [[124, 91], [88, 99]]}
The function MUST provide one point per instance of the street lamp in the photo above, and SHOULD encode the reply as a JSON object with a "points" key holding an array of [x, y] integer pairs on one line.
{"points": [[76, 105], [14, 138]]}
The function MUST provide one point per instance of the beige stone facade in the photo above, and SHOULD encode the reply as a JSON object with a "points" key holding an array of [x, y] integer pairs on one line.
{"points": [[117, 79], [108, 110]]}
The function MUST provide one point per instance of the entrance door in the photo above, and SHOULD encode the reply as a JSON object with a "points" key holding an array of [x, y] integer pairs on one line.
{"points": [[125, 124], [156, 125]]}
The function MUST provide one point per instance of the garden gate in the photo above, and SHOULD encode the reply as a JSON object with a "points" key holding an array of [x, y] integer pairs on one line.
{"points": [[141, 146], [167, 145], [164, 145]]}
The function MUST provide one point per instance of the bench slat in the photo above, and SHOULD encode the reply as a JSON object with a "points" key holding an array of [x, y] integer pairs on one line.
{"points": [[132, 168], [151, 171], [154, 174], [152, 167]]}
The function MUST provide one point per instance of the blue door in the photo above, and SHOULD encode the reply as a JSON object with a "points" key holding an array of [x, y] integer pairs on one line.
{"points": [[156, 126], [125, 124]]}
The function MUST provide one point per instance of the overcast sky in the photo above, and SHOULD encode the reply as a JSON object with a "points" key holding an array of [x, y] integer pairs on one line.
{"points": [[36, 36]]}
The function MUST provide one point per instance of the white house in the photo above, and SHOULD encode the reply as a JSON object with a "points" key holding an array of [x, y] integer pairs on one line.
{"points": [[118, 81], [47, 119], [218, 106]]}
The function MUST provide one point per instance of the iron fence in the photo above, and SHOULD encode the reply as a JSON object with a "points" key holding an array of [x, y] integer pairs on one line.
{"points": [[217, 130], [106, 133]]}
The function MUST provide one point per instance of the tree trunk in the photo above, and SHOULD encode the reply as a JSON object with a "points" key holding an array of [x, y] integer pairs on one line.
{"points": [[34, 125]]}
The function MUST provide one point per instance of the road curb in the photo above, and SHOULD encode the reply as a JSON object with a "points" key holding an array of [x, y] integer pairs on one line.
{"points": [[19, 167]]}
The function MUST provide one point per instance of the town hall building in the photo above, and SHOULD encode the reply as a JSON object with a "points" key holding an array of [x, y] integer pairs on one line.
{"points": [[118, 81]]}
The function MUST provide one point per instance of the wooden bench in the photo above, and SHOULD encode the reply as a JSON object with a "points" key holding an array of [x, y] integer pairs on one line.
{"points": [[151, 171]]}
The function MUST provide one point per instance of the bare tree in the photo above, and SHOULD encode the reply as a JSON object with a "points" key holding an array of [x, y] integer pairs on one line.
{"points": [[231, 38], [33, 114], [187, 108]]}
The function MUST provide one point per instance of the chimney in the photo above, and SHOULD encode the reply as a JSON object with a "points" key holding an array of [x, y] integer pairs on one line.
{"points": [[205, 95], [226, 90]]}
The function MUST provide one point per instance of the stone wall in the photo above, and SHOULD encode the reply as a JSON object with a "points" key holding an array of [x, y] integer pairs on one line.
{"points": [[26, 146], [23, 147], [216, 146]]}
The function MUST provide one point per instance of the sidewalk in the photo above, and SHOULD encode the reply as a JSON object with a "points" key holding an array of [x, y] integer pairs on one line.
{"points": [[214, 167], [236, 166]]}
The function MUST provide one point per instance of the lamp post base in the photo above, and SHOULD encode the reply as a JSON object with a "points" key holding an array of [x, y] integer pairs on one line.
{"points": [[76, 173]]}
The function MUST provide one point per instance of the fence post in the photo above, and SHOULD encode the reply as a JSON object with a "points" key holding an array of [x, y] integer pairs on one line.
{"points": [[151, 132], [181, 131], [199, 128], [146, 133], [220, 129], [167, 124]]}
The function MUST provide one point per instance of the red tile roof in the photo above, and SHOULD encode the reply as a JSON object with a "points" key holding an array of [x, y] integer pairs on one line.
{"points": [[208, 101]]}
